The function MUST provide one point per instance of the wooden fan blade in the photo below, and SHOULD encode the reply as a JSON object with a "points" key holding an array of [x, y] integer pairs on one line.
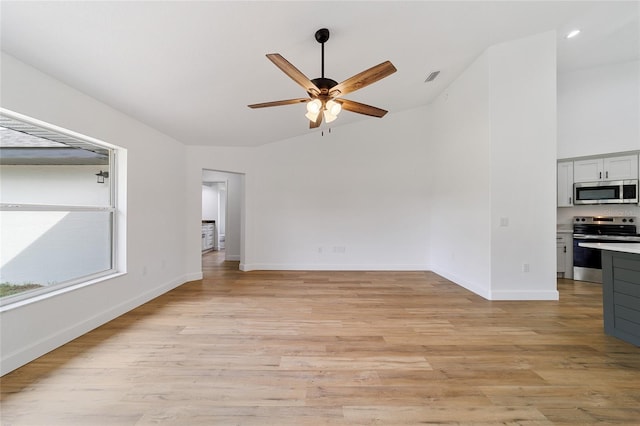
{"points": [[293, 72], [361, 108], [278, 103], [363, 79], [317, 123]]}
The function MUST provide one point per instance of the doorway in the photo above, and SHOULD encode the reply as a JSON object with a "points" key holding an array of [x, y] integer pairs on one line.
{"points": [[214, 214], [222, 202]]}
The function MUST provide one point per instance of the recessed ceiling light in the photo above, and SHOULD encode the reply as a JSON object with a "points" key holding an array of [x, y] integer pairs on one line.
{"points": [[573, 33]]}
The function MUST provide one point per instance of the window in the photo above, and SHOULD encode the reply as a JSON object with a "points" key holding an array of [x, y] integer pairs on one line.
{"points": [[57, 208]]}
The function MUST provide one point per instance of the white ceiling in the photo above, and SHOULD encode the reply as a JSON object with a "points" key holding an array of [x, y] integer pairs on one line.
{"points": [[189, 69]]}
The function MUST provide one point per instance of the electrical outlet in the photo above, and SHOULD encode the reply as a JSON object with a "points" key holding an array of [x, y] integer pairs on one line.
{"points": [[525, 267]]}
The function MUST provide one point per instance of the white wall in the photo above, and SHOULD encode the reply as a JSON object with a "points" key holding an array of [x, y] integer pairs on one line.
{"points": [[357, 198], [494, 129], [460, 134], [155, 217], [599, 110], [523, 168]]}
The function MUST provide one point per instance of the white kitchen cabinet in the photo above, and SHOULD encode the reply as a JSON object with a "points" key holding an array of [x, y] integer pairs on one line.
{"points": [[565, 184], [564, 255], [588, 170], [208, 232], [621, 168], [606, 168]]}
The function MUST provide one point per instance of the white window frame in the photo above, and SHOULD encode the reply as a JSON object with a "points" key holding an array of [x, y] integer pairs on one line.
{"points": [[20, 299]]}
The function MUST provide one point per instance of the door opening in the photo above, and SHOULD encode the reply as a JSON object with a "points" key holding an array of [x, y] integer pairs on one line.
{"points": [[222, 202]]}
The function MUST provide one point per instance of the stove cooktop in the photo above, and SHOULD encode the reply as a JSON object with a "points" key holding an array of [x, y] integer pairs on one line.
{"points": [[605, 226]]}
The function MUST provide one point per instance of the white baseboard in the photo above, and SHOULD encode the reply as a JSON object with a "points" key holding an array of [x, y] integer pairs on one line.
{"points": [[498, 295], [525, 295], [330, 267], [472, 287], [193, 276]]}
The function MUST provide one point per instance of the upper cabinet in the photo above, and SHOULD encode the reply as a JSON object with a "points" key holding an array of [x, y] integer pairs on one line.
{"points": [[588, 170], [607, 168], [621, 168], [565, 184]]}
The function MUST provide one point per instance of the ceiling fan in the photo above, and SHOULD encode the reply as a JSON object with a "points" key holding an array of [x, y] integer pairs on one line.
{"points": [[325, 93]]}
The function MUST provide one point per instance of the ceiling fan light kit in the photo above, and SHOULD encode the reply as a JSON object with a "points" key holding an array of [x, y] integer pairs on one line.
{"points": [[334, 107], [314, 106], [324, 93]]}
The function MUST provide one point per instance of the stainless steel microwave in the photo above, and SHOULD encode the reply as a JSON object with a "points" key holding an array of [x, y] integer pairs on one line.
{"points": [[607, 192]]}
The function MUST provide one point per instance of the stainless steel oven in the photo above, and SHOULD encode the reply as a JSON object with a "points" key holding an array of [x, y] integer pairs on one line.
{"points": [[587, 262]]}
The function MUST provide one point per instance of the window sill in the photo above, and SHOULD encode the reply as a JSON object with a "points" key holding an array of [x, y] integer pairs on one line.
{"points": [[54, 293]]}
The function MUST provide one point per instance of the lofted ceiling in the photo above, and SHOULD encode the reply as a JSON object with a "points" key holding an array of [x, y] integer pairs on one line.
{"points": [[189, 69]]}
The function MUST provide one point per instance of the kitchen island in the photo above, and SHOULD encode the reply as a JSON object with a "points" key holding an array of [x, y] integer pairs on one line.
{"points": [[620, 289]]}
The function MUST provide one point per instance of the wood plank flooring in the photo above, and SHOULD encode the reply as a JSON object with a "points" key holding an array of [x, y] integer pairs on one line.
{"points": [[335, 348]]}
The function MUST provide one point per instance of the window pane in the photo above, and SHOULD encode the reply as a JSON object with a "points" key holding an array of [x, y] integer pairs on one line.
{"points": [[43, 248], [40, 169], [54, 185], [57, 207]]}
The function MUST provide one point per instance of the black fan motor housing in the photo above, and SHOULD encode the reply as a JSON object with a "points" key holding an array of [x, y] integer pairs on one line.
{"points": [[324, 83], [322, 35]]}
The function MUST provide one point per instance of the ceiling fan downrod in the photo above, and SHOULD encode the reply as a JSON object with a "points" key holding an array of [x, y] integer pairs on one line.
{"points": [[322, 35], [322, 83]]}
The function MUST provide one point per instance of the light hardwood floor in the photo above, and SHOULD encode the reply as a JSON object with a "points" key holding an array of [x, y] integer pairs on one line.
{"points": [[335, 348]]}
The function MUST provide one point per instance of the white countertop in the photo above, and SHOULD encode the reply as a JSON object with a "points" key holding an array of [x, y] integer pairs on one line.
{"points": [[622, 247]]}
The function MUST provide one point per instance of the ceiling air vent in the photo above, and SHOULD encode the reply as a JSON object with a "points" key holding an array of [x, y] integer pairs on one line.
{"points": [[432, 76]]}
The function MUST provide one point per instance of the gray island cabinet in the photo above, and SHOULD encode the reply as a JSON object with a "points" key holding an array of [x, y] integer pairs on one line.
{"points": [[621, 289]]}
